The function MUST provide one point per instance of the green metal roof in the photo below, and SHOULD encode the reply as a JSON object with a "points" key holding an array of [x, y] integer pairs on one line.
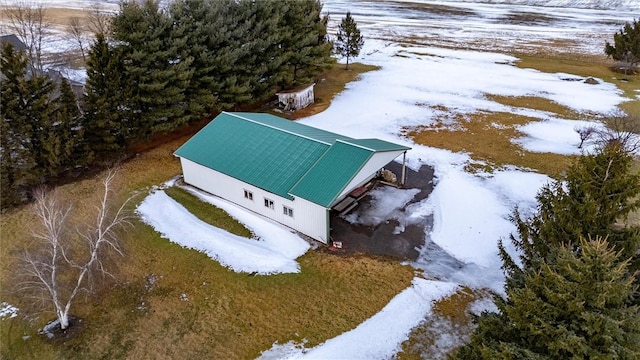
{"points": [[282, 156], [263, 156], [292, 127], [333, 171]]}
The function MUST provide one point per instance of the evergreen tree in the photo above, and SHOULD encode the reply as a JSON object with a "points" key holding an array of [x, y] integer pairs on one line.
{"points": [[305, 43], [571, 298], [200, 23], [108, 111], [348, 40], [35, 128], [234, 60], [44, 141], [263, 57], [154, 65], [29, 111], [626, 45], [598, 191], [575, 306], [69, 130], [16, 162]]}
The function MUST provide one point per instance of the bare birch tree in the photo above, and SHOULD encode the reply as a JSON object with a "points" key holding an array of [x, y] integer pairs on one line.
{"points": [[60, 264], [29, 22]]}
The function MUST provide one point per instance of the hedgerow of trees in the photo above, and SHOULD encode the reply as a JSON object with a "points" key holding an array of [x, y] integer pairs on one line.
{"points": [[156, 69], [574, 291]]}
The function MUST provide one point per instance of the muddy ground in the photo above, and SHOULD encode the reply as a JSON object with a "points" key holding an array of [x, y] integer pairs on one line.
{"points": [[380, 240]]}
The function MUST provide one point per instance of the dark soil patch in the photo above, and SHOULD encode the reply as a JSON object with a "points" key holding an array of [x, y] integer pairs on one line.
{"points": [[54, 333], [383, 239], [526, 18]]}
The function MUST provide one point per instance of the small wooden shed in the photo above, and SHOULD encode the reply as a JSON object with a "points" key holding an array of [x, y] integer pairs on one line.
{"points": [[295, 99]]}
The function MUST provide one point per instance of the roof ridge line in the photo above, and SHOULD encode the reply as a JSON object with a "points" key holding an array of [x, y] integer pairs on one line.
{"points": [[277, 128], [357, 145]]}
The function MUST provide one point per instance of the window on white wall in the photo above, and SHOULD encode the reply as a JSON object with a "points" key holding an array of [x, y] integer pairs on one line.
{"points": [[287, 211], [248, 195], [268, 203]]}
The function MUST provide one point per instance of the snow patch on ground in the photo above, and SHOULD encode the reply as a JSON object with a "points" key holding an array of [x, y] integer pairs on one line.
{"points": [[274, 251], [481, 305], [460, 222], [380, 336], [386, 204], [581, 4], [555, 136], [7, 310]]}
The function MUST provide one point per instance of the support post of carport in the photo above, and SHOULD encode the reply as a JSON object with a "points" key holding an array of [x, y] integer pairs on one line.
{"points": [[404, 172]]}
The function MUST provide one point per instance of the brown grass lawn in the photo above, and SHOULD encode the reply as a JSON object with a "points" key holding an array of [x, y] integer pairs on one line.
{"points": [[595, 67], [58, 17], [207, 212], [487, 138], [195, 308]]}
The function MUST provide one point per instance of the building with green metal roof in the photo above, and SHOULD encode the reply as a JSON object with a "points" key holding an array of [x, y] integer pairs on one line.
{"points": [[287, 171]]}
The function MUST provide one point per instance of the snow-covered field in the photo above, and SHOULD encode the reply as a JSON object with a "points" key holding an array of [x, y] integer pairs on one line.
{"points": [[500, 25], [421, 68]]}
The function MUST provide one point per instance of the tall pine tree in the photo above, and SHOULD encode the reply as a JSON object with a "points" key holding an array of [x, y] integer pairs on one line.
{"points": [[69, 129], [17, 162], [597, 193], [305, 42], [154, 65], [201, 25], [108, 117], [349, 41], [40, 127]]}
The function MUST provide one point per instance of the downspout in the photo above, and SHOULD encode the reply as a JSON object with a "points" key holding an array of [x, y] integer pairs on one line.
{"points": [[328, 215], [404, 172]]}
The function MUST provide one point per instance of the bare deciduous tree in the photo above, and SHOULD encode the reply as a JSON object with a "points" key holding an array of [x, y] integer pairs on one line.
{"points": [[78, 34], [28, 21], [61, 263], [586, 132], [623, 129], [100, 21], [616, 127]]}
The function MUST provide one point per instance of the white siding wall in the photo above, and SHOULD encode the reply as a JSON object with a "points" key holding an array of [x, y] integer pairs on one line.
{"points": [[311, 219], [308, 218], [377, 161]]}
